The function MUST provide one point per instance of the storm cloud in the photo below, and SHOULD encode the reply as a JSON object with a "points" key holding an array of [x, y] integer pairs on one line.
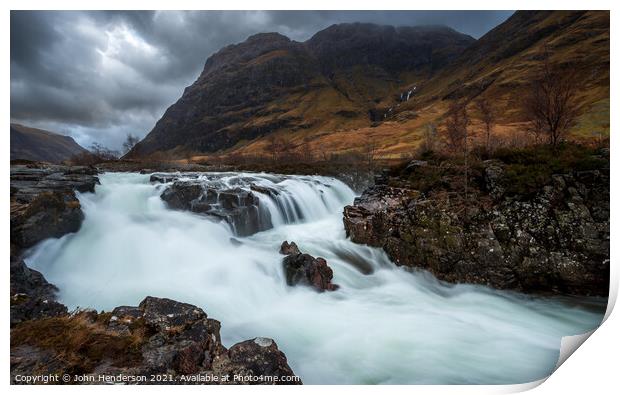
{"points": [[98, 75]]}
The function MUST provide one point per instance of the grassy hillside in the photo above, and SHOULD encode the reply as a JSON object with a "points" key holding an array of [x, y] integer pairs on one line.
{"points": [[352, 108], [41, 145]]}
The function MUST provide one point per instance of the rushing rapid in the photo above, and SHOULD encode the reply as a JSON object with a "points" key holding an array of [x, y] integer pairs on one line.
{"points": [[384, 324]]}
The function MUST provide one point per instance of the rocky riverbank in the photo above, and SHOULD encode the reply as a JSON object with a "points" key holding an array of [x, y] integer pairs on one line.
{"points": [[174, 341], [161, 341], [520, 227], [43, 205]]}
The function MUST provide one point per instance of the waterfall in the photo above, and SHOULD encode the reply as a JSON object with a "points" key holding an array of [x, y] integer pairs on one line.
{"points": [[385, 324], [279, 199]]}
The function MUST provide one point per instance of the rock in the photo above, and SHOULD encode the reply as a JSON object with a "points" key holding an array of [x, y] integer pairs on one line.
{"points": [[493, 172], [43, 205], [49, 214], [32, 296], [34, 361], [255, 358], [163, 177], [289, 249], [43, 202], [414, 165], [365, 217], [25, 307], [307, 270], [165, 314], [238, 207], [264, 190], [553, 241], [181, 195]]}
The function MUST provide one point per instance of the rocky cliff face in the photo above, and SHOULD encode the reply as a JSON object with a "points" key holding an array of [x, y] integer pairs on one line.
{"points": [[270, 83], [43, 205], [555, 239], [43, 201]]}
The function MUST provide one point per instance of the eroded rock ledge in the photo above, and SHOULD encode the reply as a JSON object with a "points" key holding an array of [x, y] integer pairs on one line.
{"points": [[200, 194], [43, 201], [158, 337], [555, 239]]}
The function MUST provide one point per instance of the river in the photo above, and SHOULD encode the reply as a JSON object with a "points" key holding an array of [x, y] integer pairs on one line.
{"points": [[384, 325]]}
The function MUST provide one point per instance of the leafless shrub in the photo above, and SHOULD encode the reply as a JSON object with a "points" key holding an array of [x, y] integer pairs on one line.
{"points": [[487, 116], [550, 106], [457, 123], [130, 142], [430, 141]]}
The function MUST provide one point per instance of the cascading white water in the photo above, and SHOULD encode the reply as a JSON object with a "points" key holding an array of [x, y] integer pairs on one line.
{"points": [[384, 325]]}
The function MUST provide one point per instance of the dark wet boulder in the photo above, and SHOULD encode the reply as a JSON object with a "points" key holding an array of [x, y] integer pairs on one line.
{"points": [[32, 297], [264, 190], [236, 206], [367, 217], [235, 198], [163, 177], [259, 361], [305, 269], [181, 195], [48, 214], [289, 248]]}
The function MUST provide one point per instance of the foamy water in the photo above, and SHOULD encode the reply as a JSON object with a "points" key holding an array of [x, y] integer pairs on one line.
{"points": [[384, 325]]}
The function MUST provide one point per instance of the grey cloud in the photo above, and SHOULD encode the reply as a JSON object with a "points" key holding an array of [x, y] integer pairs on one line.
{"points": [[98, 75]]}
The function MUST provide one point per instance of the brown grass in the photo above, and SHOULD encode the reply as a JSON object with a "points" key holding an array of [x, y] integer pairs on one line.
{"points": [[81, 343]]}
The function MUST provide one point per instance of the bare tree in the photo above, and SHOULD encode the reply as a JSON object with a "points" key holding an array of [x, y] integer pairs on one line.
{"points": [[130, 142], [456, 125], [430, 139], [287, 149], [281, 148], [550, 106], [369, 150], [307, 155], [487, 115], [103, 152], [273, 147]]}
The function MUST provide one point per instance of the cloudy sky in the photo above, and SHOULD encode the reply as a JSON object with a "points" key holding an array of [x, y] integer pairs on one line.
{"points": [[99, 75]]}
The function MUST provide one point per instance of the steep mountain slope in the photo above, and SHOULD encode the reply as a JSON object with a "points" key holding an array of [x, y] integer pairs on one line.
{"points": [[353, 86], [501, 65], [41, 145], [340, 79]]}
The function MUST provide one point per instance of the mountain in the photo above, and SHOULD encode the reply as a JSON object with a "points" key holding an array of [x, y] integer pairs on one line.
{"points": [[41, 145], [501, 65], [355, 85], [340, 79]]}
